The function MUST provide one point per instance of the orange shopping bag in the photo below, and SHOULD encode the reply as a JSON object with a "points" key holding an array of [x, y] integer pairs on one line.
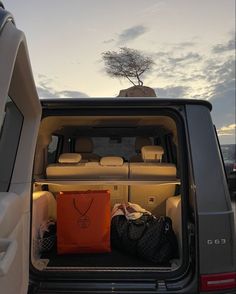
{"points": [[83, 222]]}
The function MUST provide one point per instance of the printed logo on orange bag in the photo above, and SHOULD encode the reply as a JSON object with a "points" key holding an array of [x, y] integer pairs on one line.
{"points": [[84, 222]]}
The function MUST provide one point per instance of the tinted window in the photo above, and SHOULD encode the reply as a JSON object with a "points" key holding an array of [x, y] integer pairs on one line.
{"points": [[11, 123], [52, 149], [123, 147], [117, 146]]}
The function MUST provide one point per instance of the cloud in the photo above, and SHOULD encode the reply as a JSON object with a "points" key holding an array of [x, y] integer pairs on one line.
{"points": [[189, 57], [153, 8], [44, 80], [108, 41], [171, 66], [217, 70], [161, 54], [185, 44], [41, 76], [181, 45], [228, 130], [193, 75], [221, 48], [182, 70], [131, 34], [172, 92], [72, 94], [221, 78], [46, 91], [223, 101], [193, 67]]}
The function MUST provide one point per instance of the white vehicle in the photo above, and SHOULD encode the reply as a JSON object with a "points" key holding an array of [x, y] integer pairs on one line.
{"points": [[188, 184]]}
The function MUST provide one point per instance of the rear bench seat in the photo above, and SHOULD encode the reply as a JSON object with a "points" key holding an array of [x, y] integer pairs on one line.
{"points": [[152, 197], [84, 146], [71, 167]]}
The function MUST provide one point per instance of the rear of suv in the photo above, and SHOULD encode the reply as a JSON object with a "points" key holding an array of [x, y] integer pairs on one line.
{"points": [[182, 185]]}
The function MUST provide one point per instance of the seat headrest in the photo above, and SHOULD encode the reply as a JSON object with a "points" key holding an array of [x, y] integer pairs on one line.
{"points": [[111, 161], [152, 153], [69, 158], [140, 142], [84, 145]]}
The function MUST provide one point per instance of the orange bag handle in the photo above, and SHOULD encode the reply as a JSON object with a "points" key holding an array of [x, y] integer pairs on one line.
{"points": [[77, 209]]}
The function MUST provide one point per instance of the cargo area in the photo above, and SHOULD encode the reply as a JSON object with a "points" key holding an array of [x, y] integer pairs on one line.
{"points": [[114, 259], [135, 159], [45, 208]]}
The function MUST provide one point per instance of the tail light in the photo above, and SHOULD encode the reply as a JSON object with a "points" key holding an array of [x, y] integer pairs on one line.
{"points": [[218, 281]]}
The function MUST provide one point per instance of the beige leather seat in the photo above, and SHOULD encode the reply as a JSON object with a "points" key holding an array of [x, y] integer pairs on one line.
{"points": [[71, 167], [152, 197], [139, 143], [68, 166], [173, 210], [114, 168], [109, 168], [44, 208], [84, 146]]}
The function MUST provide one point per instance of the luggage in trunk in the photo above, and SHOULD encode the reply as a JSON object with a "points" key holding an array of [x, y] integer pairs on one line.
{"points": [[115, 259], [83, 222]]}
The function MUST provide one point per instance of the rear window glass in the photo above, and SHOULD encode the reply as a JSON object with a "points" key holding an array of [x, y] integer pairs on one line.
{"points": [[11, 123], [52, 149], [117, 146]]}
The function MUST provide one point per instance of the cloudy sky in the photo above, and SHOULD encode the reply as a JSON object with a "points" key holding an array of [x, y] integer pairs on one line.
{"points": [[192, 43]]}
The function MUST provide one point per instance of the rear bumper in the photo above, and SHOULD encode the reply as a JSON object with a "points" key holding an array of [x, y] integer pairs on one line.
{"points": [[92, 288]]}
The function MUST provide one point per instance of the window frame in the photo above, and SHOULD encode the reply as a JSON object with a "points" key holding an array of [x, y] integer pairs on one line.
{"points": [[13, 154], [58, 149]]}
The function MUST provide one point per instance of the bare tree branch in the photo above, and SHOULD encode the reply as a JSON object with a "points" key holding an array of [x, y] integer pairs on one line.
{"points": [[127, 63]]}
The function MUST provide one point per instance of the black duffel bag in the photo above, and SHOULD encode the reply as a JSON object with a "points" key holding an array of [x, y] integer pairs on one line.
{"points": [[148, 237]]}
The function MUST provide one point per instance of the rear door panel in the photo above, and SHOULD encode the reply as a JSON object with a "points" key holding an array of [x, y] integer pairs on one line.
{"points": [[18, 97], [216, 235]]}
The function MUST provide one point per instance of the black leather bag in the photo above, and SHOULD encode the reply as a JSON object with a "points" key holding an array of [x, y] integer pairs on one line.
{"points": [[148, 237]]}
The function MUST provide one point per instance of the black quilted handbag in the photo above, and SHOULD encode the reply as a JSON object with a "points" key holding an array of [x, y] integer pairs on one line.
{"points": [[150, 238]]}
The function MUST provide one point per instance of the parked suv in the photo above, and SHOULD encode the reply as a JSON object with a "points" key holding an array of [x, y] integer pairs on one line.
{"points": [[52, 146]]}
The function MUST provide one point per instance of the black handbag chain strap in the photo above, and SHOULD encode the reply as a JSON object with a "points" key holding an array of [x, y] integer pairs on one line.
{"points": [[77, 209]]}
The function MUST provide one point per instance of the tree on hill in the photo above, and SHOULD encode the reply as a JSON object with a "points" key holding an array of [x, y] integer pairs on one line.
{"points": [[127, 63]]}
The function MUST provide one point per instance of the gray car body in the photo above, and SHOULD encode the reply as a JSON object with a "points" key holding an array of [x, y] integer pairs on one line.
{"points": [[216, 228]]}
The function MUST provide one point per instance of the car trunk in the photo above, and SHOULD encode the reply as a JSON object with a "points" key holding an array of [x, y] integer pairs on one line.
{"points": [[44, 208], [163, 195]]}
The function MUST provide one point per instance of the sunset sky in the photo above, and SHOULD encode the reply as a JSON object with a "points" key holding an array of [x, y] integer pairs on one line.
{"points": [[192, 43]]}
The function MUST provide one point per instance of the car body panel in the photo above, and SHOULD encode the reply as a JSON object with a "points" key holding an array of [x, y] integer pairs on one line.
{"points": [[216, 231], [16, 82]]}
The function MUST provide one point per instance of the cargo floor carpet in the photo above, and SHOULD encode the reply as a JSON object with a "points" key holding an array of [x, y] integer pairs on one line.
{"points": [[113, 259]]}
